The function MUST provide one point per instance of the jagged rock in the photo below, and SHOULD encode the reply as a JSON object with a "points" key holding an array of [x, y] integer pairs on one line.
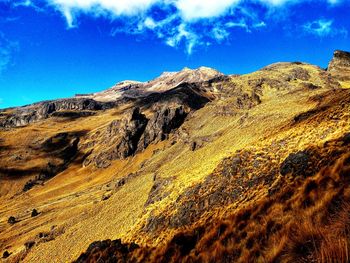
{"points": [[162, 123], [121, 139], [126, 137], [131, 134], [339, 66], [340, 59]]}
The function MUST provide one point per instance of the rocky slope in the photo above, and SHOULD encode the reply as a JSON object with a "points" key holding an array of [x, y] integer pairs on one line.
{"points": [[193, 166]]}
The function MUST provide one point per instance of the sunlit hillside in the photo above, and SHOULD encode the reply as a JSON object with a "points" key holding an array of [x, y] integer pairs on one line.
{"points": [[194, 166]]}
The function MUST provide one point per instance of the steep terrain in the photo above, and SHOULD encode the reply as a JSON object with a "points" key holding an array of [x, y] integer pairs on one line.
{"points": [[193, 166]]}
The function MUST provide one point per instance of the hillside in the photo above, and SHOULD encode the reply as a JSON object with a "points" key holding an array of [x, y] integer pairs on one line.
{"points": [[193, 166]]}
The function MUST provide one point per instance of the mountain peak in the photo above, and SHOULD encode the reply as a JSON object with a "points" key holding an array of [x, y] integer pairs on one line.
{"points": [[169, 80]]}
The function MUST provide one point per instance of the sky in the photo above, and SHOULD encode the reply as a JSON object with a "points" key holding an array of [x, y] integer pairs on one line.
{"points": [[53, 49]]}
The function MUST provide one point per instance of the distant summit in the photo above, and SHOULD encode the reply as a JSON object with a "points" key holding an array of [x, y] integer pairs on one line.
{"points": [[166, 81]]}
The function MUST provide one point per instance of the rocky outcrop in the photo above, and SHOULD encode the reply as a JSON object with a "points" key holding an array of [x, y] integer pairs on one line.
{"points": [[165, 112], [340, 59], [131, 131], [28, 114], [161, 124], [124, 138], [339, 66]]}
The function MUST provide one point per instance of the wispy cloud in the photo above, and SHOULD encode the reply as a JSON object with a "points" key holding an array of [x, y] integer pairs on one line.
{"points": [[323, 28], [7, 48], [184, 22]]}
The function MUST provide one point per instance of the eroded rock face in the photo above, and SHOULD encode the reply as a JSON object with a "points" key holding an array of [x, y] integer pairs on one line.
{"points": [[25, 115], [131, 132], [124, 138], [340, 59], [339, 66], [161, 124]]}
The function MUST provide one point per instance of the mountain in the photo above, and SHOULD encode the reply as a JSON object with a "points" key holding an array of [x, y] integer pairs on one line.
{"points": [[193, 166], [166, 81]]}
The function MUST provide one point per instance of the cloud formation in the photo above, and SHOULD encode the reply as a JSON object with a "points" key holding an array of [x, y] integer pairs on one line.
{"points": [[323, 28], [6, 52], [191, 22]]}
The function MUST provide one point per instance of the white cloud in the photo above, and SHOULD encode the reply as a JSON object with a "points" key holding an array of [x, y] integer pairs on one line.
{"points": [[319, 27], [242, 24], [114, 8], [150, 23], [220, 33], [182, 33], [188, 22], [6, 52], [323, 28], [23, 3], [259, 24], [196, 9], [120, 7]]}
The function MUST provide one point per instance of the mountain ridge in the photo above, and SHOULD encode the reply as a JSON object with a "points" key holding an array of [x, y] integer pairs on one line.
{"points": [[165, 173]]}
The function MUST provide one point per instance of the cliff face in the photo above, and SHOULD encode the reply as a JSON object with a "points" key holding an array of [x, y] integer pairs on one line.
{"points": [[192, 166], [339, 66], [75, 107]]}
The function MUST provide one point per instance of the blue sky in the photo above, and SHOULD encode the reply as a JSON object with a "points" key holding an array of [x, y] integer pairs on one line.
{"points": [[55, 48]]}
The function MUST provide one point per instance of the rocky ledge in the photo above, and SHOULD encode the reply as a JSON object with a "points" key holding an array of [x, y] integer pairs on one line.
{"points": [[28, 114], [339, 66]]}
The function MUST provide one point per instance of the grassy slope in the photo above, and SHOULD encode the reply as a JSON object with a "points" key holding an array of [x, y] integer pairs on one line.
{"points": [[72, 202]]}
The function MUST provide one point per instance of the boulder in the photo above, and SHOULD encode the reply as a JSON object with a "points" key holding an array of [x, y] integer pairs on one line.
{"points": [[34, 213], [12, 220], [296, 164]]}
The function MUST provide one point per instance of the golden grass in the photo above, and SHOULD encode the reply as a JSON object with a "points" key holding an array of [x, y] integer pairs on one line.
{"points": [[72, 199]]}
